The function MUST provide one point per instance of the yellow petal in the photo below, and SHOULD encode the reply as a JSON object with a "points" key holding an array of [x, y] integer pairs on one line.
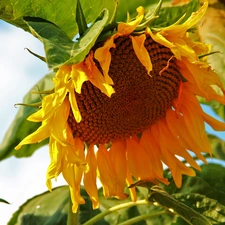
{"points": [[90, 177], [117, 155], [215, 124], [141, 52], [138, 161], [78, 77], [58, 126], [39, 135], [55, 167], [103, 56], [74, 106], [107, 174], [154, 154], [73, 175], [128, 28]]}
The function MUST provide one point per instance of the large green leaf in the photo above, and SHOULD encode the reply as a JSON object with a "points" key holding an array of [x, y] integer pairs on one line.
{"points": [[59, 49], [205, 193], [61, 13], [20, 127], [212, 31], [160, 196], [54, 209], [201, 201], [44, 209]]}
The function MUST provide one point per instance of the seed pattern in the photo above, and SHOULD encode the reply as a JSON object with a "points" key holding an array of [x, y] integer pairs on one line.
{"points": [[139, 100]]}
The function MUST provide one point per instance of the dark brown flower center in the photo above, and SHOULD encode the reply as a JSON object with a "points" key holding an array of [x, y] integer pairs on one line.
{"points": [[139, 101]]}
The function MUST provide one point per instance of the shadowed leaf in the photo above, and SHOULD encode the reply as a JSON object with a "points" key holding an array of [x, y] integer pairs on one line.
{"points": [[59, 49], [20, 127]]}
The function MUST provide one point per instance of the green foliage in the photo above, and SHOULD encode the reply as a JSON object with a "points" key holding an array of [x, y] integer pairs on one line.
{"points": [[170, 15], [59, 49], [205, 193], [201, 201], [61, 13], [20, 127], [160, 196], [44, 209]]}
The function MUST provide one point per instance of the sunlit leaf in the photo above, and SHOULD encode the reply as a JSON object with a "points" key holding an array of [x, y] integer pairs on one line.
{"points": [[209, 208], [160, 196], [20, 127], [170, 15], [59, 49], [61, 13], [205, 193]]}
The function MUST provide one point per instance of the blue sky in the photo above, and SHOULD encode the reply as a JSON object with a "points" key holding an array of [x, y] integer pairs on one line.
{"points": [[23, 178], [20, 178]]}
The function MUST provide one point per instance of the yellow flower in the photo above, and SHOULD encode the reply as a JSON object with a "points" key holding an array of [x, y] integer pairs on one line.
{"points": [[129, 107]]}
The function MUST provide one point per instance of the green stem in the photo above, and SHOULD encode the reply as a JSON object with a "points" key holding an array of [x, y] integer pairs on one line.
{"points": [[142, 217], [72, 218], [113, 209]]}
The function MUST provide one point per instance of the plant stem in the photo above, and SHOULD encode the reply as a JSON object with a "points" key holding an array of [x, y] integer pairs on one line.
{"points": [[72, 218], [113, 209], [142, 217]]}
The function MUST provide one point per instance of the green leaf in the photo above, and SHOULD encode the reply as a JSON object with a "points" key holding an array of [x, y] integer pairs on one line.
{"points": [[218, 147], [205, 192], [61, 13], [4, 201], [81, 21], [59, 49], [20, 127], [49, 208], [170, 15], [53, 208], [213, 32], [160, 196], [210, 208], [124, 7]]}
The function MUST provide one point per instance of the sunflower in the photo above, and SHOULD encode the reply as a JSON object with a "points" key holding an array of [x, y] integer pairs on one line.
{"points": [[129, 107]]}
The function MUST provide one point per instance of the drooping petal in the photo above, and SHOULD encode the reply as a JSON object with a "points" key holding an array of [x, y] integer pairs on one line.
{"points": [[141, 51], [215, 124], [107, 174], [78, 76], [153, 152], [39, 135], [117, 154], [58, 127], [138, 161], [73, 175], [90, 177], [55, 167], [103, 55], [127, 28]]}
